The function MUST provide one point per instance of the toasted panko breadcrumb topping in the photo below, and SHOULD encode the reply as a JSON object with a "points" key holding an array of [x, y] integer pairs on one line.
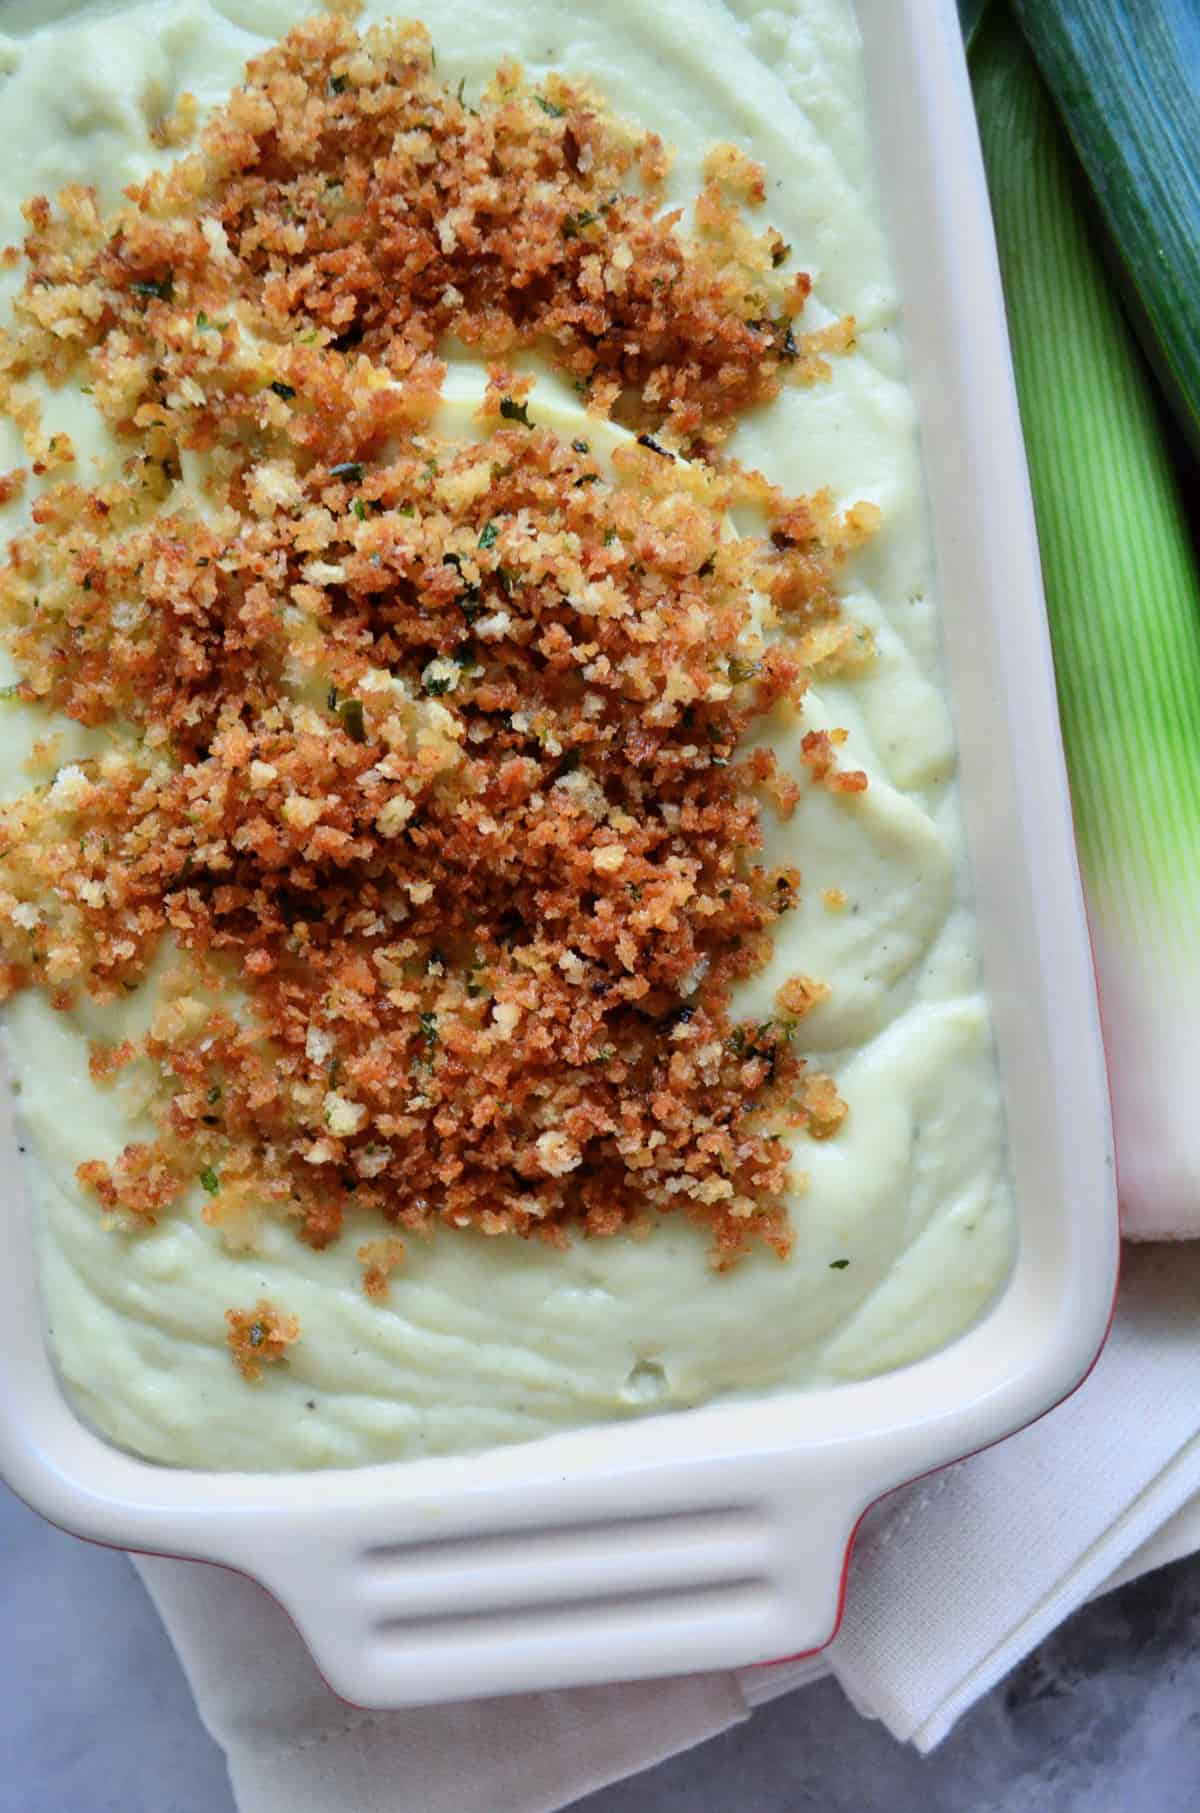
{"points": [[379, 1259], [259, 1337], [347, 200], [430, 753]]}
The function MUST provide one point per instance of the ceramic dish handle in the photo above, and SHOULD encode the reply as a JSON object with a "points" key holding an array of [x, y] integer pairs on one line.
{"points": [[411, 1608]]}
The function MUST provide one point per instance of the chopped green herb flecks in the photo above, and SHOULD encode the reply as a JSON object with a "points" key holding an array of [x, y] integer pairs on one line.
{"points": [[350, 711], [487, 538], [210, 1180], [512, 411], [162, 289]]}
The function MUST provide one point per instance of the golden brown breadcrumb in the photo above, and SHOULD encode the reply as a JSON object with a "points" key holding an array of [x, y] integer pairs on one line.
{"points": [[348, 200], [379, 1259], [259, 1337], [432, 753]]}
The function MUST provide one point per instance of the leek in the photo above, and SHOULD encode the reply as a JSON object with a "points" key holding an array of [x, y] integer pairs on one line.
{"points": [[1123, 597], [970, 15], [1126, 80]]}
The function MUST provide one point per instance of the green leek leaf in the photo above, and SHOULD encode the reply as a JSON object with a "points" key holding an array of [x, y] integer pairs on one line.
{"points": [[1126, 79], [970, 13]]}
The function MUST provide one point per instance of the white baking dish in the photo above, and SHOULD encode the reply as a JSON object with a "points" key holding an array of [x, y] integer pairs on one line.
{"points": [[718, 1536]]}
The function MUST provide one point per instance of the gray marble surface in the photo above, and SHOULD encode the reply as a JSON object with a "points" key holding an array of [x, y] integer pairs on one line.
{"points": [[95, 1716]]}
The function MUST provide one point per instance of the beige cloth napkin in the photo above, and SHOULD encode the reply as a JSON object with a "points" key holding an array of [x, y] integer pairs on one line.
{"points": [[290, 1744], [953, 1581]]}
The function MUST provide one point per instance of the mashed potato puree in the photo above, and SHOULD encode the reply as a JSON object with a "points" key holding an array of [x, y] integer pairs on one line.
{"points": [[904, 1232]]}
